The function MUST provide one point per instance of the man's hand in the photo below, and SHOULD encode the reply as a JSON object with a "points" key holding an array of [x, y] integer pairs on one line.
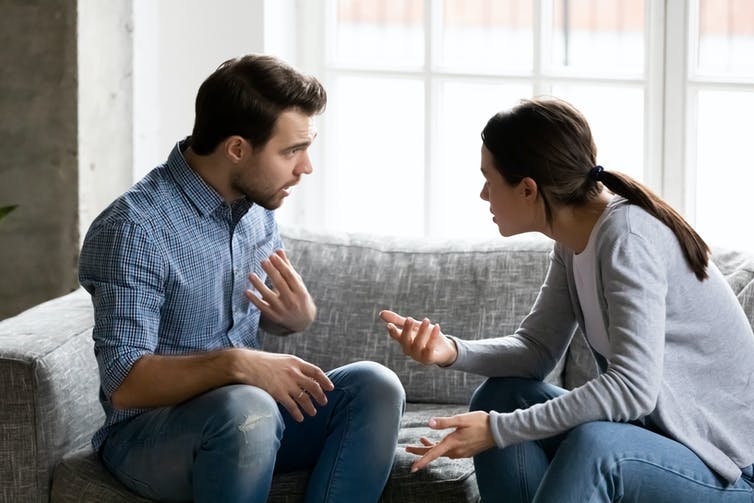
{"points": [[288, 303], [291, 381], [424, 342], [472, 435]]}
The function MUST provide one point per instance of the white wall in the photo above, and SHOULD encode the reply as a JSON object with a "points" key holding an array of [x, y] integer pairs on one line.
{"points": [[105, 104], [177, 44]]}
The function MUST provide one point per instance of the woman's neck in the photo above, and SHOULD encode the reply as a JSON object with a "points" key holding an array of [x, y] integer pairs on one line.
{"points": [[572, 225]]}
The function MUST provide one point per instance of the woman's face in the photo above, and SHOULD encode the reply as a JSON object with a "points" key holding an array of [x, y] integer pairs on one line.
{"points": [[509, 204]]}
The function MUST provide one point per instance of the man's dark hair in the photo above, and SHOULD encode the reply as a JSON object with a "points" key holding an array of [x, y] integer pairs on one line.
{"points": [[245, 96]]}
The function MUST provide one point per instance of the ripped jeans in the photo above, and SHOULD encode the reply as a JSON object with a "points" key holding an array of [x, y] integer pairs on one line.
{"points": [[225, 445]]}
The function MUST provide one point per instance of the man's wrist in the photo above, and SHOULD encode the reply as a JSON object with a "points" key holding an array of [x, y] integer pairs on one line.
{"points": [[228, 363]]}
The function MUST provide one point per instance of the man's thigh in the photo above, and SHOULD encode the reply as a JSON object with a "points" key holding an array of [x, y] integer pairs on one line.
{"points": [[157, 452]]}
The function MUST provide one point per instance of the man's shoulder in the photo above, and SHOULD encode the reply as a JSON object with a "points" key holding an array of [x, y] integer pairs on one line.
{"points": [[149, 199]]}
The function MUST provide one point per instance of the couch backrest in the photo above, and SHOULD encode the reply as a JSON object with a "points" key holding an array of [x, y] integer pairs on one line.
{"points": [[738, 268], [473, 288], [476, 289]]}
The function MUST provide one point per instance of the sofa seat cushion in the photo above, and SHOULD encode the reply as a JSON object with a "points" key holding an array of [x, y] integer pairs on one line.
{"points": [[81, 477], [444, 480]]}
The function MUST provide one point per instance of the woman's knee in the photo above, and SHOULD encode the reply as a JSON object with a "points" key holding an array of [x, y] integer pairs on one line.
{"points": [[506, 394]]}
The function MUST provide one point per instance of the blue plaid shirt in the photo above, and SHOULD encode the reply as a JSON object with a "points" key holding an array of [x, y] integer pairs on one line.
{"points": [[167, 264]]}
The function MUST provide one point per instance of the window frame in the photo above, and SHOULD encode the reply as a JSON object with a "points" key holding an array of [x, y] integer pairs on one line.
{"points": [[669, 89]]}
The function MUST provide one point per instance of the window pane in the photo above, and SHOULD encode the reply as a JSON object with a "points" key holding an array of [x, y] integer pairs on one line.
{"points": [[379, 152], [726, 38], [725, 169], [602, 35], [388, 33], [465, 108], [616, 117], [486, 35]]}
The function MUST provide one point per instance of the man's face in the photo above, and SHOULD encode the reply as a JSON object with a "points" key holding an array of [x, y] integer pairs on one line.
{"points": [[271, 170]]}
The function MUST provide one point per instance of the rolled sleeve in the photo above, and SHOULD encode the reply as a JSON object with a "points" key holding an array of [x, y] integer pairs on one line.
{"points": [[122, 270]]}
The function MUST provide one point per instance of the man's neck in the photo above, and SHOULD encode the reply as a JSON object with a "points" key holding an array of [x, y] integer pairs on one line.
{"points": [[213, 171]]}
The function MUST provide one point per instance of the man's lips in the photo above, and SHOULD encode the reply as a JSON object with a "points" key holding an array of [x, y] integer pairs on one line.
{"points": [[286, 190]]}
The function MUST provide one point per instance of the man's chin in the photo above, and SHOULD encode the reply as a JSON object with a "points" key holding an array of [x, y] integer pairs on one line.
{"points": [[270, 204]]}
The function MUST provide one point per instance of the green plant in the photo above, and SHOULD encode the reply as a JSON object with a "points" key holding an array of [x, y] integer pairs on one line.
{"points": [[6, 209]]}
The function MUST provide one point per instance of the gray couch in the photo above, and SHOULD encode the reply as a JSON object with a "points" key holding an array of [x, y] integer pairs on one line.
{"points": [[475, 289]]}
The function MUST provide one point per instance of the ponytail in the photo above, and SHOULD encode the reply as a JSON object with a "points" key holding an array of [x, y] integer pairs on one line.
{"points": [[694, 248]]}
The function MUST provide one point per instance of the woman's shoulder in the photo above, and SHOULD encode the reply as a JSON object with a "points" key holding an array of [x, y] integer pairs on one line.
{"points": [[625, 221]]}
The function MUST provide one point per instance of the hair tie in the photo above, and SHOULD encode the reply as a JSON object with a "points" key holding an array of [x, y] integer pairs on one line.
{"points": [[596, 173]]}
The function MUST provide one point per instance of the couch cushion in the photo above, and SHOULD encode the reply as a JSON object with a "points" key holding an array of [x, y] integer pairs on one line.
{"points": [[474, 288], [444, 480], [82, 477]]}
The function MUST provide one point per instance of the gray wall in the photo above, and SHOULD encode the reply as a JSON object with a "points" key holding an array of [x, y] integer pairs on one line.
{"points": [[87, 100], [62, 158], [38, 142]]}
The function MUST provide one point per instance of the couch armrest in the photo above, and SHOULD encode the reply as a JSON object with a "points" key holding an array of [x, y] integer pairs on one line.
{"points": [[48, 392]]}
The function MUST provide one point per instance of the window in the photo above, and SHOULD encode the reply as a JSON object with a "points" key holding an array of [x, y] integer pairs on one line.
{"points": [[720, 102], [412, 82]]}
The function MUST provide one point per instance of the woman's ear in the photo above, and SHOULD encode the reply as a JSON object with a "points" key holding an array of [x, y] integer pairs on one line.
{"points": [[234, 148], [528, 188]]}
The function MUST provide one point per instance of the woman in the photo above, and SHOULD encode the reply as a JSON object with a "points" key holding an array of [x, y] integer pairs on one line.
{"points": [[671, 416]]}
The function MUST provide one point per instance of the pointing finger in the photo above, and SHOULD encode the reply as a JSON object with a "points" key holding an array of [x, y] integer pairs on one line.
{"points": [[432, 454], [391, 317]]}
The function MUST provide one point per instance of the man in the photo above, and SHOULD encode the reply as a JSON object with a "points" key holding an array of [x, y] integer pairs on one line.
{"points": [[183, 269]]}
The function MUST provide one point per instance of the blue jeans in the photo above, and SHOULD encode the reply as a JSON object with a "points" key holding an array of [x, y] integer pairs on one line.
{"points": [[225, 445], [595, 462]]}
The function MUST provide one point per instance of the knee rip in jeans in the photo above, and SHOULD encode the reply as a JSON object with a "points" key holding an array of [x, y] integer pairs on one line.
{"points": [[251, 422]]}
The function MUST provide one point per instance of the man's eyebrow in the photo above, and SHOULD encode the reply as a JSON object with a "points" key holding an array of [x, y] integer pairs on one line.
{"points": [[301, 144]]}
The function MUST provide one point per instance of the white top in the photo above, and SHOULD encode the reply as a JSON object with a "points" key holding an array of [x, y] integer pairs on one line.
{"points": [[585, 277]]}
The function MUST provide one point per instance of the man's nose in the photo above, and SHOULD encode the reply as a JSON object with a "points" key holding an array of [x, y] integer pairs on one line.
{"points": [[305, 165]]}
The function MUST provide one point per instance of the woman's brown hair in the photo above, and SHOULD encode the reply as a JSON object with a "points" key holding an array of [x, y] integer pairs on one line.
{"points": [[549, 141]]}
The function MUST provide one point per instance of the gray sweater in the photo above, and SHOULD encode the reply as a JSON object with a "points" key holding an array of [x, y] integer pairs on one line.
{"points": [[682, 350]]}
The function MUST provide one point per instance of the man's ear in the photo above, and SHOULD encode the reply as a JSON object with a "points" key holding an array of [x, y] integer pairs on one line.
{"points": [[235, 148], [529, 188]]}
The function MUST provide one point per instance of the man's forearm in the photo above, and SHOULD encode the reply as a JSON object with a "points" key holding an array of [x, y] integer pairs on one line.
{"points": [[157, 380]]}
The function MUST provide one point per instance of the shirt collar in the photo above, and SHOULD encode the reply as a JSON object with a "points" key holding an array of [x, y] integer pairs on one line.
{"points": [[205, 198]]}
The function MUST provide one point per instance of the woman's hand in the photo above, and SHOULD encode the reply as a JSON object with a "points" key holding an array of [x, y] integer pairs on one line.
{"points": [[472, 435], [424, 342]]}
